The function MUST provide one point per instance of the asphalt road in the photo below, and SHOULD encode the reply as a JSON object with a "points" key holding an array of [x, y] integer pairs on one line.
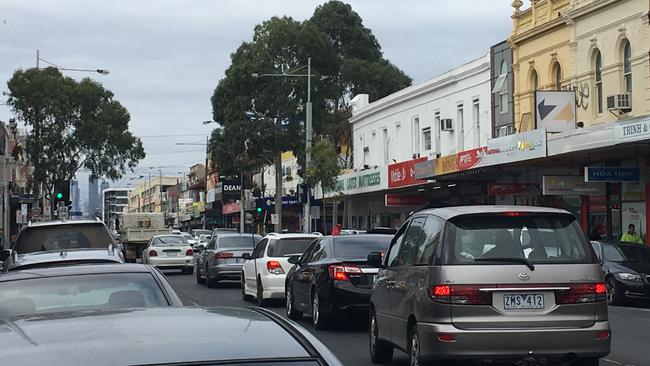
{"points": [[630, 338]]}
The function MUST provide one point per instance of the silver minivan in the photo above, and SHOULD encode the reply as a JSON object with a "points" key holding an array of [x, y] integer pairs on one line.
{"points": [[489, 283]]}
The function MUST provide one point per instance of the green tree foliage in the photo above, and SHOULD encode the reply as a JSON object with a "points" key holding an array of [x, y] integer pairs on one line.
{"points": [[324, 168], [72, 125]]}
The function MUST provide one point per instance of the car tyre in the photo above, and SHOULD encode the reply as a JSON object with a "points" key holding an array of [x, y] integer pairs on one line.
{"points": [[244, 296], [260, 293], [200, 280], [415, 347], [592, 361], [381, 351], [292, 313], [614, 294], [320, 319]]}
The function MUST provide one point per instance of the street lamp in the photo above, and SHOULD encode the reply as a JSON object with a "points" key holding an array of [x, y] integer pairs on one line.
{"points": [[308, 134], [38, 59]]}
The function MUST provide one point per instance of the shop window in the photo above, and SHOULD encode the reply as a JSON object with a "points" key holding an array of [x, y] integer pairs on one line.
{"points": [[598, 78]]}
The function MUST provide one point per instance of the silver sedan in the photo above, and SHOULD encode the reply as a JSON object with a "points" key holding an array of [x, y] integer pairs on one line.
{"points": [[169, 252]]}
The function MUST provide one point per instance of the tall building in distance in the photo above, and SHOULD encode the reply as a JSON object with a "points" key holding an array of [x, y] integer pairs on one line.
{"points": [[93, 206], [75, 192]]}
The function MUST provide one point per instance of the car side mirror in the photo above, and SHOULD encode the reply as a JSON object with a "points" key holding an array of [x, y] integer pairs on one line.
{"points": [[294, 259], [4, 255], [375, 259], [246, 256]]}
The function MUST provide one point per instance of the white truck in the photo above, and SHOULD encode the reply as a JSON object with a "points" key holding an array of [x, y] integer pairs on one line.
{"points": [[137, 229]]}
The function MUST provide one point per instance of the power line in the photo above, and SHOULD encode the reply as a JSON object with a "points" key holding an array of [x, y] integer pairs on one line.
{"points": [[181, 135]]}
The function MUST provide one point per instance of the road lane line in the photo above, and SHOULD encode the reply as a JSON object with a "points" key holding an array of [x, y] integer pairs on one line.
{"points": [[611, 361]]}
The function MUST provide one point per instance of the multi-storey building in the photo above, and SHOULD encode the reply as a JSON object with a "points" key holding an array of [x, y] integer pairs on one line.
{"points": [[114, 201]]}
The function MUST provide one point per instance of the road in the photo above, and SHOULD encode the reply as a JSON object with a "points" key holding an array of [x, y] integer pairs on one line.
{"points": [[631, 326]]}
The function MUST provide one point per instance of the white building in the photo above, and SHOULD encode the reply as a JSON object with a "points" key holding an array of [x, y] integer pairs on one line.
{"points": [[441, 116]]}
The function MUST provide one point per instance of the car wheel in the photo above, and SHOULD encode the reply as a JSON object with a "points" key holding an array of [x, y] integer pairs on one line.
{"points": [[211, 282], [614, 294], [593, 361], [380, 350], [200, 280], [319, 318], [415, 358], [260, 293], [292, 313], [244, 296]]}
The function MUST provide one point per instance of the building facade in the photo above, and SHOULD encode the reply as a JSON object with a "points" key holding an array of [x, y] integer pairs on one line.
{"points": [[93, 206], [149, 195], [114, 202], [502, 86]]}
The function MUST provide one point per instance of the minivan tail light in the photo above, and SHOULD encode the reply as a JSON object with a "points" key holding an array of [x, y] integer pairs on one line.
{"points": [[223, 255], [460, 295], [341, 272], [189, 253], [153, 253], [579, 293], [274, 267]]}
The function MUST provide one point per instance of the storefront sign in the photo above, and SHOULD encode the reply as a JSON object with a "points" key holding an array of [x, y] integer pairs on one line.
{"points": [[230, 208], [447, 164], [471, 159], [570, 186], [425, 169], [555, 111], [632, 131], [611, 174], [403, 173], [368, 180], [268, 203], [517, 147], [514, 189], [405, 200]]}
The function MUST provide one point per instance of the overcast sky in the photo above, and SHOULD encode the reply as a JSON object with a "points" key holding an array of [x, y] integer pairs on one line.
{"points": [[165, 57]]}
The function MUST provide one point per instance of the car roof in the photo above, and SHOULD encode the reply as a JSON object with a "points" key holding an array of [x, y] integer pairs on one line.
{"points": [[68, 256], [63, 222], [278, 236], [447, 213], [166, 335], [226, 235], [80, 269]]}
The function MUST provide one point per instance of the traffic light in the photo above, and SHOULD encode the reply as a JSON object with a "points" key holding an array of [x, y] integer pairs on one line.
{"points": [[62, 193], [303, 191]]}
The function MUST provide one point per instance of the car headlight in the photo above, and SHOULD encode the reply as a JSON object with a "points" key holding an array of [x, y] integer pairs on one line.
{"points": [[629, 277]]}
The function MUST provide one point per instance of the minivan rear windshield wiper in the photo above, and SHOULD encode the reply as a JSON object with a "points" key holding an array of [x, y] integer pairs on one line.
{"points": [[508, 260]]}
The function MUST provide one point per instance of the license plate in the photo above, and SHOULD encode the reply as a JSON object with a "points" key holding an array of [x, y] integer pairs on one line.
{"points": [[523, 301], [171, 254], [239, 260]]}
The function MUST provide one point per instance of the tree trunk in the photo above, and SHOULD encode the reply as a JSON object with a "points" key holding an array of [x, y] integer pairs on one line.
{"points": [[278, 191]]}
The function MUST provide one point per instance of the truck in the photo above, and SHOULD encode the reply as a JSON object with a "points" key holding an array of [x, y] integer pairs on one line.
{"points": [[136, 231]]}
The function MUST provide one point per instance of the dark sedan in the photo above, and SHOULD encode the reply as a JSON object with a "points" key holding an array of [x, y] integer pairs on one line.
{"points": [[333, 276], [40, 291], [627, 271], [161, 336]]}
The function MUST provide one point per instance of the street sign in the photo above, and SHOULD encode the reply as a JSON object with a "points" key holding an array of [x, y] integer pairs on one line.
{"points": [[611, 174], [36, 213], [555, 110], [63, 212], [274, 219]]}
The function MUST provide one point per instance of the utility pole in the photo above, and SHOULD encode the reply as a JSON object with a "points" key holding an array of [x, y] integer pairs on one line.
{"points": [[308, 140], [242, 198]]}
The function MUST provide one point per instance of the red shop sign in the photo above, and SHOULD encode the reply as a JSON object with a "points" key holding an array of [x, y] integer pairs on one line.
{"points": [[230, 208], [470, 159], [405, 200], [403, 173]]}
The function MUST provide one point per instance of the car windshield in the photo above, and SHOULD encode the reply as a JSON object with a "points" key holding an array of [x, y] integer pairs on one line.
{"points": [[489, 239], [285, 247], [170, 240], [359, 246], [239, 241], [79, 292], [57, 237]]}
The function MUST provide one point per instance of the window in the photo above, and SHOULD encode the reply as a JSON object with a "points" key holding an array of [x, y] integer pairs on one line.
{"points": [[358, 246], [416, 135], [558, 76], [258, 252], [385, 143], [503, 103], [461, 128], [238, 241], [534, 82], [431, 232], [500, 82], [627, 67], [598, 76], [288, 247], [476, 119], [426, 138], [308, 254], [438, 126], [391, 258], [411, 242]]}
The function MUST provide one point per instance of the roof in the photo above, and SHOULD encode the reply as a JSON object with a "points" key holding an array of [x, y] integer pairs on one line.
{"points": [[75, 270], [447, 213], [149, 336], [64, 222], [291, 235]]}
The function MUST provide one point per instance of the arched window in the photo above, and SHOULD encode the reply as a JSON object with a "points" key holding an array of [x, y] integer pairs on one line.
{"points": [[598, 78], [534, 82], [627, 67], [557, 70]]}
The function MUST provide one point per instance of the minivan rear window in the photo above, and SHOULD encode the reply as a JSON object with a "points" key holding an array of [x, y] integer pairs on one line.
{"points": [[284, 247], [538, 238]]}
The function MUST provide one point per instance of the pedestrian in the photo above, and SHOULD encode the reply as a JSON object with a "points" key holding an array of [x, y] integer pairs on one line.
{"points": [[631, 236], [336, 230]]}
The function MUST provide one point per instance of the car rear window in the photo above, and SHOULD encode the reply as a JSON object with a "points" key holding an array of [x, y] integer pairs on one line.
{"points": [[284, 247], [79, 292], [538, 238], [244, 241], [170, 240], [57, 237], [359, 246]]}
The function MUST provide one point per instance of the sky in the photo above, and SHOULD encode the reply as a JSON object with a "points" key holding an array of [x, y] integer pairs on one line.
{"points": [[166, 57]]}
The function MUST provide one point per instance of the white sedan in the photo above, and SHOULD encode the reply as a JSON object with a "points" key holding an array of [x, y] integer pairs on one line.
{"points": [[169, 252], [264, 272]]}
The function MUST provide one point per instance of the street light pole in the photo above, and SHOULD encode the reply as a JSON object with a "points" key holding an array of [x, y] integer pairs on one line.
{"points": [[308, 140], [38, 59]]}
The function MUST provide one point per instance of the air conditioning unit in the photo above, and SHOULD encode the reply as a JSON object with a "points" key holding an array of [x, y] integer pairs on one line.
{"points": [[446, 124], [619, 102]]}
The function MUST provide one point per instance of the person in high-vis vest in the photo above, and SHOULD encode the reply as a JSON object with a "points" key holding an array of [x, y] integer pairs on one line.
{"points": [[631, 236]]}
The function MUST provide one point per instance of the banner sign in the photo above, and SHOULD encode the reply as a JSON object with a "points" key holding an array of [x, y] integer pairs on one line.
{"points": [[403, 173], [268, 203], [230, 208], [515, 189], [635, 130], [447, 164], [612, 174], [570, 186], [555, 111], [471, 159], [517, 147], [425, 169], [405, 200], [363, 181]]}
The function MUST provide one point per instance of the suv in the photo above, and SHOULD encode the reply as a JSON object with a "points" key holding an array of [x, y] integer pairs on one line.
{"points": [[265, 269], [489, 283], [61, 242]]}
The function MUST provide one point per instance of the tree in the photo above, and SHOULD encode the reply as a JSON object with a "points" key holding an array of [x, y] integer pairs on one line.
{"points": [[72, 125], [324, 168]]}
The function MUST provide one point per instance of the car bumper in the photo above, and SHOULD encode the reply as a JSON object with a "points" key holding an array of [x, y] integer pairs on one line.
{"points": [[345, 296], [273, 286], [513, 344], [226, 271], [172, 262], [637, 290]]}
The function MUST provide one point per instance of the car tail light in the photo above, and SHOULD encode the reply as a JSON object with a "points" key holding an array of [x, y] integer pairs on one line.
{"points": [[446, 338], [223, 255], [274, 267], [602, 335], [460, 295], [153, 253], [579, 293], [341, 272], [189, 252]]}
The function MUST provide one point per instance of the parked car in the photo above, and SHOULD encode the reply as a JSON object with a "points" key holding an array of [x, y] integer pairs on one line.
{"points": [[161, 336], [169, 252], [489, 282], [627, 271], [222, 258], [61, 243], [264, 272], [224, 230], [332, 276], [202, 241], [80, 289], [198, 232]]}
